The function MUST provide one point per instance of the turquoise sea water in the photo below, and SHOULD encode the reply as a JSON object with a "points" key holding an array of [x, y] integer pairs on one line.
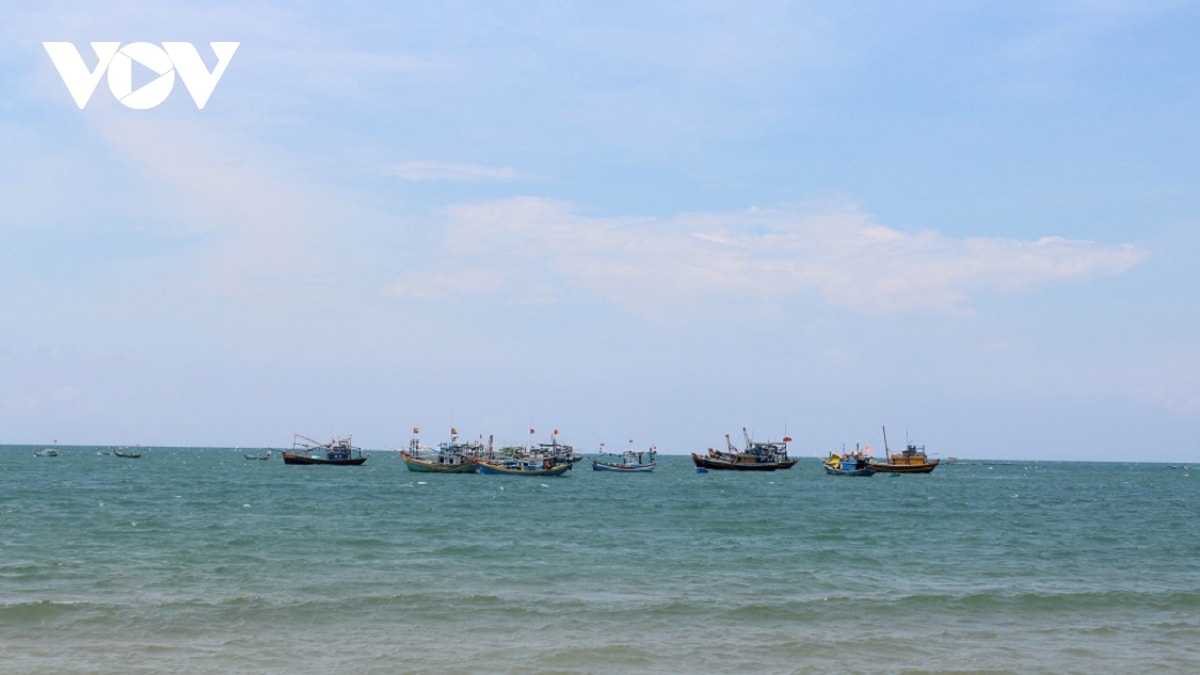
{"points": [[197, 560]]}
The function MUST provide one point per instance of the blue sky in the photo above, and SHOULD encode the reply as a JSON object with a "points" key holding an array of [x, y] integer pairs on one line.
{"points": [[973, 222]]}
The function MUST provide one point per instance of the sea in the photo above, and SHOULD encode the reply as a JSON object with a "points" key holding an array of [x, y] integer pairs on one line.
{"points": [[197, 560]]}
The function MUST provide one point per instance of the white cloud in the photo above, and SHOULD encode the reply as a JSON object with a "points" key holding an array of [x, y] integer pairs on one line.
{"points": [[837, 252], [256, 227]]}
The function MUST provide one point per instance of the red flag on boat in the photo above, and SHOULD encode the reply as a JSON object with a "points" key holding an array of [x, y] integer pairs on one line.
{"points": [[787, 439], [416, 430]]}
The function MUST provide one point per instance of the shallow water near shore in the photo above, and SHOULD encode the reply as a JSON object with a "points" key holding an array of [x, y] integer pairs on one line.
{"points": [[198, 560]]}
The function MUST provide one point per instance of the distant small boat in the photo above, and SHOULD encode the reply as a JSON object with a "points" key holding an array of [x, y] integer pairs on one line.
{"points": [[631, 461], [45, 452], [263, 457], [847, 464], [128, 454], [756, 456], [338, 452]]}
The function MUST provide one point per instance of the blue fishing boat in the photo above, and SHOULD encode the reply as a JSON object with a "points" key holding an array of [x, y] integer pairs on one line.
{"points": [[45, 452], [630, 461], [848, 464]]}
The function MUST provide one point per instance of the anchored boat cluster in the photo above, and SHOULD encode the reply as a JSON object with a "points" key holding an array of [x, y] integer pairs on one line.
{"points": [[555, 458], [860, 463]]}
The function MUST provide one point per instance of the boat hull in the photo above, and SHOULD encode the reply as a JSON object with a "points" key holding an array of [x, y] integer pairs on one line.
{"points": [[425, 466], [729, 465], [924, 467], [833, 471], [623, 468], [292, 458], [501, 470]]}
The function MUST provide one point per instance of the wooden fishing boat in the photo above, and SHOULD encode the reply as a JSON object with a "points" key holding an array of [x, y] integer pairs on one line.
{"points": [[847, 464], [127, 454], [630, 461], [540, 459], [756, 456], [46, 452], [912, 460], [263, 457], [524, 467], [450, 457], [338, 452]]}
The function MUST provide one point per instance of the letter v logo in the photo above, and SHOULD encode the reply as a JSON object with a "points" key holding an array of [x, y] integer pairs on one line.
{"points": [[199, 82], [80, 81]]}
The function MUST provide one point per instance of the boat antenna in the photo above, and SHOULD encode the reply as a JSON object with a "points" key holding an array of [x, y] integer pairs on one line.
{"points": [[886, 450]]}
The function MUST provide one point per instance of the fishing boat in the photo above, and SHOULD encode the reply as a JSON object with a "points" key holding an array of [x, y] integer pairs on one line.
{"points": [[527, 466], [540, 459], [630, 461], [453, 456], [127, 454], [912, 460], [262, 457], [756, 456], [46, 452], [848, 464], [337, 452]]}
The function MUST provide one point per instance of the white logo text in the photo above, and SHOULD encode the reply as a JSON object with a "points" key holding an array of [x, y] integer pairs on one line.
{"points": [[117, 61]]}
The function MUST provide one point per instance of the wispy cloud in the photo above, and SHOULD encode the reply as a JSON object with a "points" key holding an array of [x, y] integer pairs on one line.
{"points": [[838, 252], [258, 235], [447, 171]]}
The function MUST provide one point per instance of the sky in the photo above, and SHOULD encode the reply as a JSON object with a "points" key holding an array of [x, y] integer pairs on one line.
{"points": [[974, 224]]}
